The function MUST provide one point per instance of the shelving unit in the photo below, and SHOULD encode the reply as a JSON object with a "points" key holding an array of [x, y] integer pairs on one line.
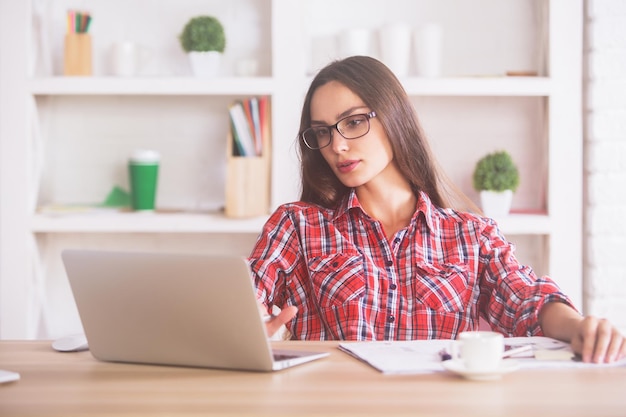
{"points": [[33, 292]]}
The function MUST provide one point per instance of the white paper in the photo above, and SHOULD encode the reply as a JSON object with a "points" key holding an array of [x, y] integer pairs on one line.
{"points": [[423, 356], [399, 357], [8, 376]]}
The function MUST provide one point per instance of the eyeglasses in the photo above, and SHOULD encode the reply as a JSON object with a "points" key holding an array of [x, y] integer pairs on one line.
{"points": [[351, 127]]}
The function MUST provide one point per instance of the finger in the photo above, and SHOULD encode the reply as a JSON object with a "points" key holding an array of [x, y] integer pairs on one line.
{"points": [[262, 309], [622, 351], [285, 315], [588, 335], [617, 347], [603, 335]]}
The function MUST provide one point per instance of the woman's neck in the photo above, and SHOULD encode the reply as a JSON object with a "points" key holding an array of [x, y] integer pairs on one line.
{"points": [[390, 202]]}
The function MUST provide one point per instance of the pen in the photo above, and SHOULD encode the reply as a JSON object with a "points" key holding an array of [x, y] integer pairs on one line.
{"points": [[445, 356], [517, 350]]}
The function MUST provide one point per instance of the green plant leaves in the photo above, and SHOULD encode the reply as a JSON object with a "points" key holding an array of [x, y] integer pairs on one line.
{"points": [[496, 172], [202, 34]]}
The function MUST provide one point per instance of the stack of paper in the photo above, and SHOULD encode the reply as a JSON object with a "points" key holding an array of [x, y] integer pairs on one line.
{"points": [[425, 356]]}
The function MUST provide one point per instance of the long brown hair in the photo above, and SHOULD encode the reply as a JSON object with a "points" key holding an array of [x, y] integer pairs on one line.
{"points": [[382, 92]]}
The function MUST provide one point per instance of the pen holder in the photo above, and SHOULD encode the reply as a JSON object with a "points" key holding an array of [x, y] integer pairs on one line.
{"points": [[77, 54], [247, 183]]}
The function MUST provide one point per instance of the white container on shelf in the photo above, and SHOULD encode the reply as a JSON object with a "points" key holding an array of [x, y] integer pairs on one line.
{"points": [[427, 46], [355, 41], [128, 59], [395, 47]]}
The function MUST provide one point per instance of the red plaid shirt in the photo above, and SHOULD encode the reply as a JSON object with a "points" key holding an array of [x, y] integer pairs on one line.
{"points": [[432, 280]]}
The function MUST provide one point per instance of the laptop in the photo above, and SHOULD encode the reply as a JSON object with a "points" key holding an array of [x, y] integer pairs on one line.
{"points": [[173, 309]]}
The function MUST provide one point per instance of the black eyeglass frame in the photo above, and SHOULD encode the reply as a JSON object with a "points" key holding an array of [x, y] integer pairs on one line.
{"points": [[368, 116]]}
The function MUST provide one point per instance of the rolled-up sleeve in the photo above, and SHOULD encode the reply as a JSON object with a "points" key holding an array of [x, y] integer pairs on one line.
{"points": [[512, 295], [274, 257]]}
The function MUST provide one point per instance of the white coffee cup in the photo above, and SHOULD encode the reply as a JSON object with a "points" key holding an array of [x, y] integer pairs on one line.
{"points": [[355, 42], [128, 58], [479, 350], [247, 67]]}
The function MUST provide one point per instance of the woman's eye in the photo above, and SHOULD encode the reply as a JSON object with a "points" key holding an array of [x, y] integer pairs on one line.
{"points": [[352, 123], [321, 132]]}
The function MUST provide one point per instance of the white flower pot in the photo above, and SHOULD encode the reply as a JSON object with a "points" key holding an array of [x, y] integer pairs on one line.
{"points": [[205, 64], [496, 203]]}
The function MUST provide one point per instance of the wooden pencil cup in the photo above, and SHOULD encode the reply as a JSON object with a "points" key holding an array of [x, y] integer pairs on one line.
{"points": [[77, 54], [247, 183]]}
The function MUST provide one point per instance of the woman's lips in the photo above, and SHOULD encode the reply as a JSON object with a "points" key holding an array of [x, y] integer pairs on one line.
{"points": [[347, 166]]}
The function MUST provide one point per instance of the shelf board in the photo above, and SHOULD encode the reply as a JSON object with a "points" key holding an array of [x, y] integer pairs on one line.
{"points": [[525, 224], [444, 86], [138, 222], [478, 86], [180, 222], [151, 86]]}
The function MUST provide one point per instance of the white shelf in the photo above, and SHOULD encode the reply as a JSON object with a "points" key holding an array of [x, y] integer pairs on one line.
{"points": [[479, 86], [525, 224], [151, 86], [115, 222], [461, 86]]}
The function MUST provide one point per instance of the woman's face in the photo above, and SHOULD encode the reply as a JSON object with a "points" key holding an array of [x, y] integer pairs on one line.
{"points": [[355, 162]]}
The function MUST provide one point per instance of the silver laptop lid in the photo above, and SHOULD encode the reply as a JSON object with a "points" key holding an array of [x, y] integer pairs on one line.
{"points": [[171, 309]]}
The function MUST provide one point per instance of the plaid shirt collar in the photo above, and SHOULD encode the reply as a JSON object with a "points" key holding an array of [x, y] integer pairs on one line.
{"points": [[424, 208]]}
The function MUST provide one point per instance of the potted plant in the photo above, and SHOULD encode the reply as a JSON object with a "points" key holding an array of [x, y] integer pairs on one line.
{"points": [[204, 40], [496, 178]]}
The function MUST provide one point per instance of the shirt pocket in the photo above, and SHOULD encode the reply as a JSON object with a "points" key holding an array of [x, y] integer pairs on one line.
{"points": [[337, 278], [442, 287]]}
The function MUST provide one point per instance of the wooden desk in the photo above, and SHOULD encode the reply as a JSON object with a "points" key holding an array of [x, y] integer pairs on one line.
{"points": [[76, 384]]}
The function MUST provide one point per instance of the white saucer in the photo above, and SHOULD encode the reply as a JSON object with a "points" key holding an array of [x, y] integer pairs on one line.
{"points": [[73, 343], [459, 368]]}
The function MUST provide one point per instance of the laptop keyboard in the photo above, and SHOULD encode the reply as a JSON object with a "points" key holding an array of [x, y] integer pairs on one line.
{"points": [[283, 356]]}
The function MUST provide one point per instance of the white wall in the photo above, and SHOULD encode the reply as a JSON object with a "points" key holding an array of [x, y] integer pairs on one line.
{"points": [[605, 161], [605, 153]]}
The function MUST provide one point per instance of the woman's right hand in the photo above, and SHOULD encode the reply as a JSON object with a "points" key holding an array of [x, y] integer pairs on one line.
{"points": [[274, 322]]}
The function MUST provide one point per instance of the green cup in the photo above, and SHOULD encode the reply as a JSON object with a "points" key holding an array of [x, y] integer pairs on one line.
{"points": [[143, 172]]}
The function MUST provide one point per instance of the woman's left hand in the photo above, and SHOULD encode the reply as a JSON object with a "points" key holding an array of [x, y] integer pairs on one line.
{"points": [[598, 341], [595, 340]]}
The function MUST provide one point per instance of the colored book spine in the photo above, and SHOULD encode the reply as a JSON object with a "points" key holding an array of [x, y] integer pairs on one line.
{"points": [[241, 133]]}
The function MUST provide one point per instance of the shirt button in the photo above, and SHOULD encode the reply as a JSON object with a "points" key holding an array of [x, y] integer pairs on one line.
{"points": [[393, 286], [388, 262], [335, 264], [391, 319]]}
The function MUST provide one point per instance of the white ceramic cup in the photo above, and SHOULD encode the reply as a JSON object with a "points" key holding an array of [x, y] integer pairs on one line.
{"points": [[479, 350], [128, 58], [355, 42], [247, 67]]}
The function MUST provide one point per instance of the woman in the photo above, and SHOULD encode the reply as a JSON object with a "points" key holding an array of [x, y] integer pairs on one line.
{"points": [[373, 249]]}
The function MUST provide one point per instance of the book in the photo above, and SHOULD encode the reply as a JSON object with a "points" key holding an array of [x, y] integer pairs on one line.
{"points": [[241, 130], [256, 123], [247, 109], [264, 119], [237, 148]]}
